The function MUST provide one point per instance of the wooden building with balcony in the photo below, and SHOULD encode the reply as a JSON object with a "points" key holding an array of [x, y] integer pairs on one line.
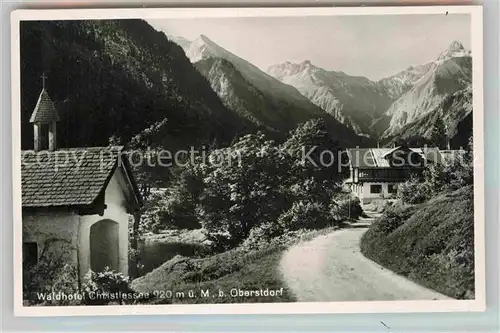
{"points": [[376, 172]]}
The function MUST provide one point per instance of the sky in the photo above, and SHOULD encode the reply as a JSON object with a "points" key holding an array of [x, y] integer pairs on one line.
{"points": [[370, 46]]}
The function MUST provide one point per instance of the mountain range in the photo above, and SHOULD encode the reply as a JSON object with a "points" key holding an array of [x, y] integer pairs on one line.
{"points": [[124, 79], [381, 110], [276, 105], [445, 77], [354, 101], [258, 96]]}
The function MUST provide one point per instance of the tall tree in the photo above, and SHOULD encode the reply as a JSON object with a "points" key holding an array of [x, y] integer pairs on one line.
{"points": [[438, 134]]}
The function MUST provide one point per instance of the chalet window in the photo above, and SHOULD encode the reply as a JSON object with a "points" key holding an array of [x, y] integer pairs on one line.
{"points": [[375, 188], [392, 188], [30, 253]]}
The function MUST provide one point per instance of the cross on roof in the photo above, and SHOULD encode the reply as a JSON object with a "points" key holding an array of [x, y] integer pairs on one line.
{"points": [[43, 77]]}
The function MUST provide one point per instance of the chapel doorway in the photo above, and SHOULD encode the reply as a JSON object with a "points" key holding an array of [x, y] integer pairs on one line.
{"points": [[104, 245]]}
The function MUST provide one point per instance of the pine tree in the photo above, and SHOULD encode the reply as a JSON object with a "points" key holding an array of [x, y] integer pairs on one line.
{"points": [[438, 134]]}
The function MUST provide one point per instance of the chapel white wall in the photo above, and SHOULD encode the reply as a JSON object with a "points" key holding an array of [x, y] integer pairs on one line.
{"points": [[116, 211]]}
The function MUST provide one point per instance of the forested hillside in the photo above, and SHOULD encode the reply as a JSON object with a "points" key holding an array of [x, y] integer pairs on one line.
{"points": [[118, 78]]}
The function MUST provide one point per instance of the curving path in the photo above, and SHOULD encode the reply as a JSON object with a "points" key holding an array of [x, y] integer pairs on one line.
{"points": [[331, 268]]}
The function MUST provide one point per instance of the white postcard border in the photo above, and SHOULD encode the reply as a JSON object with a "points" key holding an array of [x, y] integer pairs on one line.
{"points": [[478, 304]]}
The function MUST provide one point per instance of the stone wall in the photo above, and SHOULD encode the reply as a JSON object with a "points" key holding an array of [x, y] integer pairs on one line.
{"points": [[56, 236], [55, 233]]}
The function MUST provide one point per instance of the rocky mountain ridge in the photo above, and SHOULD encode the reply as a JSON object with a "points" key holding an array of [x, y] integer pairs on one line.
{"points": [[378, 109], [450, 73], [256, 95]]}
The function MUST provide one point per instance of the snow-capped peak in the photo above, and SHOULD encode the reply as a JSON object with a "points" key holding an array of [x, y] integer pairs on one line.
{"points": [[456, 49], [204, 39], [201, 40], [456, 46], [181, 41], [288, 68], [202, 47]]}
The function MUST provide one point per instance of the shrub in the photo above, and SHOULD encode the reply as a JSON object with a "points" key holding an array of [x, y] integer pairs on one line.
{"points": [[263, 233], [178, 213], [178, 210], [305, 215], [173, 209], [459, 171], [345, 207], [453, 270], [413, 191], [150, 220], [267, 231], [62, 279], [313, 190], [380, 206], [107, 281], [50, 274], [136, 268], [436, 177], [455, 172], [392, 219], [221, 241]]}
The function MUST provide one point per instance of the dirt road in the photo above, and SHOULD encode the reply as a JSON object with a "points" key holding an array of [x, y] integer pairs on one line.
{"points": [[331, 268]]}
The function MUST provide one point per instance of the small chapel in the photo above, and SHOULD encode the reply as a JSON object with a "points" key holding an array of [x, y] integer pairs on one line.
{"points": [[76, 202]]}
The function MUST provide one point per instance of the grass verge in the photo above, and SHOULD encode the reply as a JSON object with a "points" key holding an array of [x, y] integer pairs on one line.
{"points": [[240, 269], [431, 243]]}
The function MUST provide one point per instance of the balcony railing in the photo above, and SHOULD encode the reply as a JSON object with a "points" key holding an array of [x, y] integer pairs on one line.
{"points": [[391, 175]]}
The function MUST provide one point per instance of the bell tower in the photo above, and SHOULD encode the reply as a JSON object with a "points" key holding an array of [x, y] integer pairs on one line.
{"points": [[44, 119]]}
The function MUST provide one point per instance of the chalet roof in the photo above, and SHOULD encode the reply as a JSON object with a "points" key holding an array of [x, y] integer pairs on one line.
{"points": [[432, 154], [44, 112], [377, 157], [361, 158], [68, 177], [387, 152]]}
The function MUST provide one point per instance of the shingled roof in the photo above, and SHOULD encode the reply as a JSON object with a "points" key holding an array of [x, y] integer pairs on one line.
{"points": [[376, 157], [45, 111], [68, 177]]}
